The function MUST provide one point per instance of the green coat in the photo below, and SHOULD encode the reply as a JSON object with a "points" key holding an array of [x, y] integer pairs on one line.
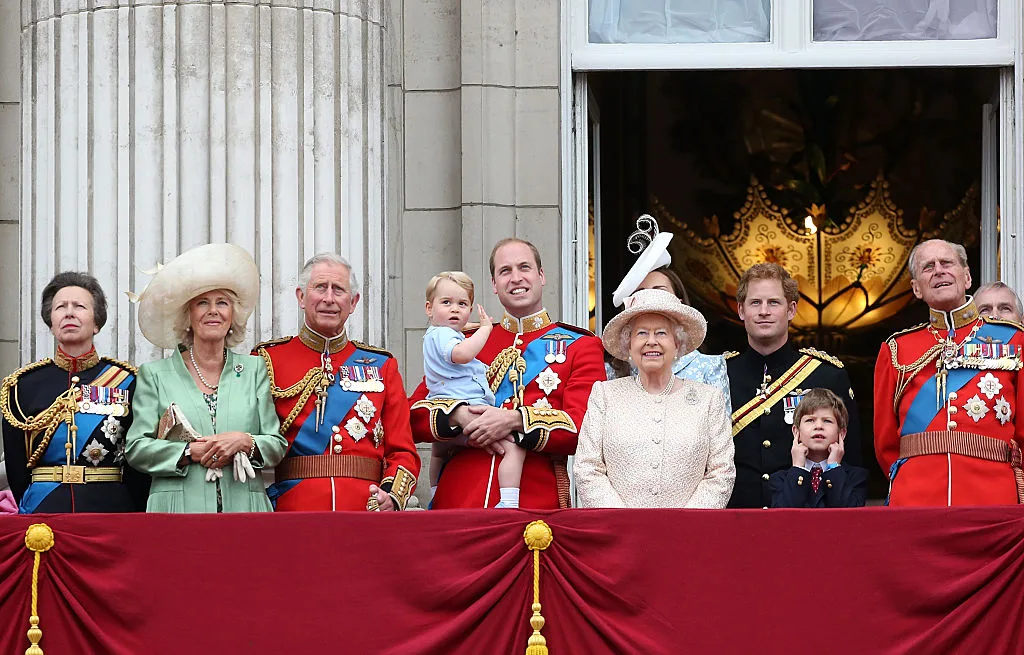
{"points": [[243, 404]]}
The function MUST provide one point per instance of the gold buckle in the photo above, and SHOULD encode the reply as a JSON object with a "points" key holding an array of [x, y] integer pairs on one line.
{"points": [[72, 474]]}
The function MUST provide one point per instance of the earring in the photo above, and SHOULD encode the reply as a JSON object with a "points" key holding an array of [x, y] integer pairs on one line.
{"points": [[231, 330], [188, 329]]}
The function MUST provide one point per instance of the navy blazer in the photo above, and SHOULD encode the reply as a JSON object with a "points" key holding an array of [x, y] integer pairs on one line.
{"points": [[843, 486]]}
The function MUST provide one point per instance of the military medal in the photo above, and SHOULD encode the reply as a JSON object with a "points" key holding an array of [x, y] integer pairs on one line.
{"points": [[790, 403], [765, 381], [552, 348]]}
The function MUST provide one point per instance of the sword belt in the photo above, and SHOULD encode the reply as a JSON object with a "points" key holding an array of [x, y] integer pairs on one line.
{"points": [[940, 442]]}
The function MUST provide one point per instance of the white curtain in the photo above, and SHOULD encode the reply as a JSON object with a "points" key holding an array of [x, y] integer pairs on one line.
{"points": [[903, 20], [679, 21]]}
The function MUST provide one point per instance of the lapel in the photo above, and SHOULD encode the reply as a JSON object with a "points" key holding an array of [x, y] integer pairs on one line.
{"points": [[190, 398], [225, 397]]}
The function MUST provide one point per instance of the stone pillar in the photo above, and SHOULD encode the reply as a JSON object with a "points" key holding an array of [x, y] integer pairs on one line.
{"points": [[10, 143], [151, 126]]}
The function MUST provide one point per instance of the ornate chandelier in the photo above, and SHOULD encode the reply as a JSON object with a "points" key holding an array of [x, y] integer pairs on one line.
{"points": [[852, 273]]}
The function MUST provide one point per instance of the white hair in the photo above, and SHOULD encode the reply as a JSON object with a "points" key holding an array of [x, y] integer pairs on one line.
{"points": [[960, 251], [682, 339], [332, 259]]}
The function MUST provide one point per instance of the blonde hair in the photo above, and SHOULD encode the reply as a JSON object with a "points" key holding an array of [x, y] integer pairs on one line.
{"points": [[236, 333], [458, 277]]}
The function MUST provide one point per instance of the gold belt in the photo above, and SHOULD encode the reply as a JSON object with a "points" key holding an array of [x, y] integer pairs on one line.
{"points": [[76, 474], [329, 466]]}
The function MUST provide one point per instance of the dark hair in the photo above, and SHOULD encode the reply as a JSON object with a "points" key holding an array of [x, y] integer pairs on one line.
{"points": [[819, 398], [505, 242], [677, 283], [75, 279]]}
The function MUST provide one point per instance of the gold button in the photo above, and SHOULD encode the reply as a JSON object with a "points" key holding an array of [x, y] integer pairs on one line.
{"points": [[765, 476], [337, 438], [953, 409], [765, 507], [951, 425], [800, 480], [829, 483], [337, 448], [952, 395], [766, 443]]}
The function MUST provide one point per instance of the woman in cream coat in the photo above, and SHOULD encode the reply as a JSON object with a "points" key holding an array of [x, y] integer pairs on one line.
{"points": [[652, 439], [199, 304]]}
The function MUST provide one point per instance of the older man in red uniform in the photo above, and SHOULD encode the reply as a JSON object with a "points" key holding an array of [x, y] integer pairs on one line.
{"points": [[541, 372], [948, 392], [342, 406]]}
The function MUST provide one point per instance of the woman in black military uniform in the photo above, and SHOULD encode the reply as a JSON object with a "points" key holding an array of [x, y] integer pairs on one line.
{"points": [[64, 419]]}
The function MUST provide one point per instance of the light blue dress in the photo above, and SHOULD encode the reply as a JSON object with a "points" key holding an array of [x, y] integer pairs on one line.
{"points": [[696, 366]]}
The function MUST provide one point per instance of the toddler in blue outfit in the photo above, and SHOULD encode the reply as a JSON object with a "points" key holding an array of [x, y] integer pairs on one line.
{"points": [[451, 370]]}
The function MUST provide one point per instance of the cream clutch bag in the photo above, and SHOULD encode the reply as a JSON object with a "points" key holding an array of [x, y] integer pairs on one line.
{"points": [[174, 426]]}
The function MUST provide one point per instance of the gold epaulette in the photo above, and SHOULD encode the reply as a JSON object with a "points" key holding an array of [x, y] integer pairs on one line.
{"points": [[373, 349], [729, 354], [1003, 321], [583, 331], [125, 365], [9, 382], [823, 356], [272, 342], [913, 328]]}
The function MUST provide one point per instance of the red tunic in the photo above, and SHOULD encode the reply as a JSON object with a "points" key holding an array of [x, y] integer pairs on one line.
{"points": [[986, 405], [553, 404], [288, 361]]}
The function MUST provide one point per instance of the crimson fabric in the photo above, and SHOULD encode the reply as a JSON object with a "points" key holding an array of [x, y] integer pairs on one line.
{"points": [[460, 581]]}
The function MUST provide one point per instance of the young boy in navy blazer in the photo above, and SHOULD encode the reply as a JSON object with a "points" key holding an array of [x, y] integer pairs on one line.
{"points": [[818, 477]]}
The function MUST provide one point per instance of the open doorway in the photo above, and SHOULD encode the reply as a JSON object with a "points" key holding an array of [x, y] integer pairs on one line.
{"points": [[711, 152]]}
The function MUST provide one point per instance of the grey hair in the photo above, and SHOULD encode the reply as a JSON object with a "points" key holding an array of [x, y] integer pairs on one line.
{"points": [[960, 251], [682, 339], [236, 334], [332, 259], [1001, 285]]}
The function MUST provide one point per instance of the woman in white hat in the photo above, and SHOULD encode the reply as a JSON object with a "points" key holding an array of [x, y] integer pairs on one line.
{"points": [[204, 409], [652, 439]]}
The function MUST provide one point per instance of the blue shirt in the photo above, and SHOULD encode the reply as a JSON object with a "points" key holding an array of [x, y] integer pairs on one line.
{"points": [[446, 379]]}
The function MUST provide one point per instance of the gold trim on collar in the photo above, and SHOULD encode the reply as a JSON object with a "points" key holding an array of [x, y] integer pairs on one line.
{"points": [[320, 343], [958, 318], [76, 364], [530, 323]]}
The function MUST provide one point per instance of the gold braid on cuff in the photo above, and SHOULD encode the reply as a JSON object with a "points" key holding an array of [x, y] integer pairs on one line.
{"points": [[399, 486]]}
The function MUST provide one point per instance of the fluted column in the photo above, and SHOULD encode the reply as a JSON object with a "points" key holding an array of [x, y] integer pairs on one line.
{"points": [[153, 126]]}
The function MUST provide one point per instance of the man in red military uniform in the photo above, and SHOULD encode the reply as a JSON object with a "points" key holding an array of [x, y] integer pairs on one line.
{"points": [[541, 373], [342, 406], [948, 392]]}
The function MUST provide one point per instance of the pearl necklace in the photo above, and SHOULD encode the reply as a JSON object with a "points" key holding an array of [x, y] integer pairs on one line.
{"points": [[192, 356], [660, 394]]}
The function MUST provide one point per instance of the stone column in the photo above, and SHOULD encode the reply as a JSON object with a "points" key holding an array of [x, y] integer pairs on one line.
{"points": [[151, 126]]}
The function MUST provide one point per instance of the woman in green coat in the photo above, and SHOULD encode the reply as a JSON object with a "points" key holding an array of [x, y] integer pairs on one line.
{"points": [[204, 418]]}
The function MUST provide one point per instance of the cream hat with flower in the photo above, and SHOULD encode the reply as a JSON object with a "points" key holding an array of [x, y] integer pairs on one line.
{"points": [[655, 301], [192, 273]]}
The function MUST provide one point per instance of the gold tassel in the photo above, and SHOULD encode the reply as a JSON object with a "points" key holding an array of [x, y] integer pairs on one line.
{"points": [[538, 537], [38, 539]]}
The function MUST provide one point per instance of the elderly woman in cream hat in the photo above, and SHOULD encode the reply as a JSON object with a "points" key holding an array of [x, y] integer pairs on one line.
{"points": [[204, 407], [652, 439]]}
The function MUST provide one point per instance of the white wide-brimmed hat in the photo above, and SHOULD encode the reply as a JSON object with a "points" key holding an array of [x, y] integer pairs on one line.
{"points": [[193, 273], [655, 301], [654, 256]]}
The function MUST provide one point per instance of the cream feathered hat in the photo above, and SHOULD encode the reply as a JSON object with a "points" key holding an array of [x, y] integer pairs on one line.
{"points": [[193, 273], [655, 301]]}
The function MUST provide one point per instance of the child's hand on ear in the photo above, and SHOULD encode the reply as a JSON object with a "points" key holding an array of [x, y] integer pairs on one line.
{"points": [[837, 450], [799, 452]]}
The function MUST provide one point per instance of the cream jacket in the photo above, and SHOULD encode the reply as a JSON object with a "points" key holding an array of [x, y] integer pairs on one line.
{"points": [[639, 450]]}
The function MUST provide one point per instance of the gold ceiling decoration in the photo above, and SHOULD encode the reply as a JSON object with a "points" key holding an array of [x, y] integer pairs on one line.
{"points": [[852, 273]]}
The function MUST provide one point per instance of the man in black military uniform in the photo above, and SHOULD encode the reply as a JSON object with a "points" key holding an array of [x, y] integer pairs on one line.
{"points": [[768, 380]]}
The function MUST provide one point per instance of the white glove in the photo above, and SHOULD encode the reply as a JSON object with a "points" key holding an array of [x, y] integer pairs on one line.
{"points": [[243, 468], [213, 475]]}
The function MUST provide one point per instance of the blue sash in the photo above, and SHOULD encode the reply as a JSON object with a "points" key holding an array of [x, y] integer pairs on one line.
{"points": [[54, 454], [534, 355], [311, 441], [923, 409]]}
